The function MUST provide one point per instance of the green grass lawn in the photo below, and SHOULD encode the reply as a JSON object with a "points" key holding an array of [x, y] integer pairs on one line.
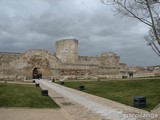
{"points": [[24, 95], [123, 91]]}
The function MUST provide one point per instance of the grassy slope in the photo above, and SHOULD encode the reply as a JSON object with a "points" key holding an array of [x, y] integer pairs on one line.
{"points": [[20, 95], [123, 91]]}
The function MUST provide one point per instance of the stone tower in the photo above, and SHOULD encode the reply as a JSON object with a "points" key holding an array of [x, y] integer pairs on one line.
{"points": [[67, 50]]}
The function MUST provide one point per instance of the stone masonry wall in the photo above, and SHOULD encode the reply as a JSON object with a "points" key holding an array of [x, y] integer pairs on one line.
{"points": [[5, 63], [23, 64], [109, 59], [88, 60], [65, 62], [67, 50]]}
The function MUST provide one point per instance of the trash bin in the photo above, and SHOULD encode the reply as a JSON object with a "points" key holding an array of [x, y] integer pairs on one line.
{"points": [[139, 101], [44, 92], [81, 87]]}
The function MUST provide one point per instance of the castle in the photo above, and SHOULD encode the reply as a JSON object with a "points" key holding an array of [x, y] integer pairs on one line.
{"points": [[64, 62]]}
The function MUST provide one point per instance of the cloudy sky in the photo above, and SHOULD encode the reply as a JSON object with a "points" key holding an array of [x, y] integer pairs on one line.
{"points": [[37, 24]]}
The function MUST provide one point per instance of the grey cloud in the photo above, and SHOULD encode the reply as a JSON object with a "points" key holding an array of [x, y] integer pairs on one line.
{"points": [[39, 23], [139, 56]]}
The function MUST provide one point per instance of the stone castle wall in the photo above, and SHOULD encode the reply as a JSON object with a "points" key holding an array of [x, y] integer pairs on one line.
{"points": [[67, 50], [110, 59], [6, 60], [88, 60], [24, 63], [65, 62]]}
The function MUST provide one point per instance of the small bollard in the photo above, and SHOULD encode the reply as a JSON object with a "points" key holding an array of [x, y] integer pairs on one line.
{"points": [[139, 101], [81, 87], [37, 84], [62, 83], [5, 81], [44, 92]]}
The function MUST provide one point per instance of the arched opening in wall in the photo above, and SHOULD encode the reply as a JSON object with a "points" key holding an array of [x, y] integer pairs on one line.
{"points": [[36, 73]]}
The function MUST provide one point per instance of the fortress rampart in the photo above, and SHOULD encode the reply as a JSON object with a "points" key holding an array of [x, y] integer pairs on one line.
{"points": [[64, 62]]}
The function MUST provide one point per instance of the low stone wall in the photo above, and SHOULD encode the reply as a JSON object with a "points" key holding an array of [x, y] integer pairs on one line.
{"points": [[144, 74], [12, 78]]}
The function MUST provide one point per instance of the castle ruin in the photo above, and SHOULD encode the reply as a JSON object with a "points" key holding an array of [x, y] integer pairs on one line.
{"points": [[64, 62]]}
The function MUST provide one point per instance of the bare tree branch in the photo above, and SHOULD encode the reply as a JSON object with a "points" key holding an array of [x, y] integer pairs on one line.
{"points": [[146, 11]]}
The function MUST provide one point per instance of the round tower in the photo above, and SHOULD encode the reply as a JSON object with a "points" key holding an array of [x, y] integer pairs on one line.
{"points": [[67, 50]]}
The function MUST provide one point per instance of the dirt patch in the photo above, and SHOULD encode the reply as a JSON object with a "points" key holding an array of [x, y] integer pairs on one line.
{"points": [[32, 114]]}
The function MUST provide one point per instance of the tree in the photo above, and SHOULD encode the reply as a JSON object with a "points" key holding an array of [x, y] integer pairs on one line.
{"points": [[146, 11]]}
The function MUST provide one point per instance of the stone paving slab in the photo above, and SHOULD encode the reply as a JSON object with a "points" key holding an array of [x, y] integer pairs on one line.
{"points": [[99, 108]]}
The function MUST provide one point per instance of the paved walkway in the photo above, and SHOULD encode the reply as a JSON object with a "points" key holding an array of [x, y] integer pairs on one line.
{"points": [[83, 106], [156, 109]]}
